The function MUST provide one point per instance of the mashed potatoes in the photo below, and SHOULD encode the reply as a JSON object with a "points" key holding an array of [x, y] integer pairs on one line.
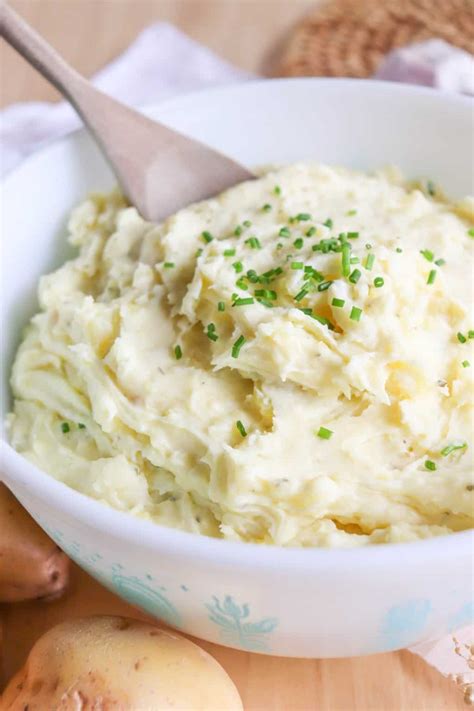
{"points": [[288, 363]]}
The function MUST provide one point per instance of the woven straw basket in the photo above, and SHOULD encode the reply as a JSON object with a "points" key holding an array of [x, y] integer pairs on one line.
{"points": [[350, 37]]}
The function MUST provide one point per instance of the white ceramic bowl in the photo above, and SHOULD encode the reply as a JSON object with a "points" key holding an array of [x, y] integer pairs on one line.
{"points": [[295, 602]]}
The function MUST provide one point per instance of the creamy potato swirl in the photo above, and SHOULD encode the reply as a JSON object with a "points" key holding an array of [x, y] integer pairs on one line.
{"points": [[287, 363]]}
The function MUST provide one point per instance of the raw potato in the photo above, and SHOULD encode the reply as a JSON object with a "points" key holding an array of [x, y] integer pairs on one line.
{"points": [[103, 663], [31, 564]]}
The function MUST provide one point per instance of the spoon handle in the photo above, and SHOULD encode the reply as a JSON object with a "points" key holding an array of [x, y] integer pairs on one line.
{"points": [[38, 53]]}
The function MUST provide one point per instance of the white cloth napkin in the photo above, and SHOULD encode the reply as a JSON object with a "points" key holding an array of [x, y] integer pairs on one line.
{"points": [[433, 63], [162, 62]]}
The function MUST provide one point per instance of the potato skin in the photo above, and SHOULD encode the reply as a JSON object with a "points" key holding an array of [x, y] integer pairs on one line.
{"points": [[31, 564], [107, 663]]}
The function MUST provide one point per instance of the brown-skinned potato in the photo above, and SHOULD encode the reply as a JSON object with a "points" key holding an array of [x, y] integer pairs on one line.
{"points": [[107, 663], [31, 564]]}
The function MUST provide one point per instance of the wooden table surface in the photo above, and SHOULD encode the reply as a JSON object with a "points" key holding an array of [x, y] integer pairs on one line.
{"points": [[90, 33]]}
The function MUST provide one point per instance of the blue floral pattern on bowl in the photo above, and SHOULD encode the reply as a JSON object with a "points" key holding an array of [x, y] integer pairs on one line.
{"points": [[143, 595], [403, 623], [401, 626], [235, 631], [142, 591]]}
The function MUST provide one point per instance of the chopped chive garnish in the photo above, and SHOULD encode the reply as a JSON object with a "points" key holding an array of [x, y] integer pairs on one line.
{"points": [[368, 245], [246, 223], [311, 232], [252, 276], [65, 427], [308, 312], [266, 294], [355, 313], [312, 273], [241, 428], [265, 302], [211, 332], [324, 285], [369, 262], [267, 207], [428, 254], [354, 260], [355, 276], [430, 186], [238, 230], [328, 223], [303, 217], [277, 190], [431, 277], [440, 262], [178, 353], [349, 213], [81, 426], [199, 252], [279, 245], [470, 334], [346, 259], [237, 346], [207, 237], [221, 306], [342, 237], [238, 266], [301, 294], [352, 235], [327, 245], [253, 243], [229, 252], [399, 250], [324, 433], [452, 448], [298, 243], [431, 466], [339, 303], [169, 265], [465, 364], [470, 232], [378, 282], [243, 302], [284, 232], [241, 283], [279, 271], [461, 338], [297, 265]]}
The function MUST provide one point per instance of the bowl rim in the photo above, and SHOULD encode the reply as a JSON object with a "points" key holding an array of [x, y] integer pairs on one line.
{"points": [[180, 101], [149, 535]]}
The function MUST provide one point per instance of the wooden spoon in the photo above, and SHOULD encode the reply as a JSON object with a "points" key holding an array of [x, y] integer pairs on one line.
{"points": [[158, 169]]}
